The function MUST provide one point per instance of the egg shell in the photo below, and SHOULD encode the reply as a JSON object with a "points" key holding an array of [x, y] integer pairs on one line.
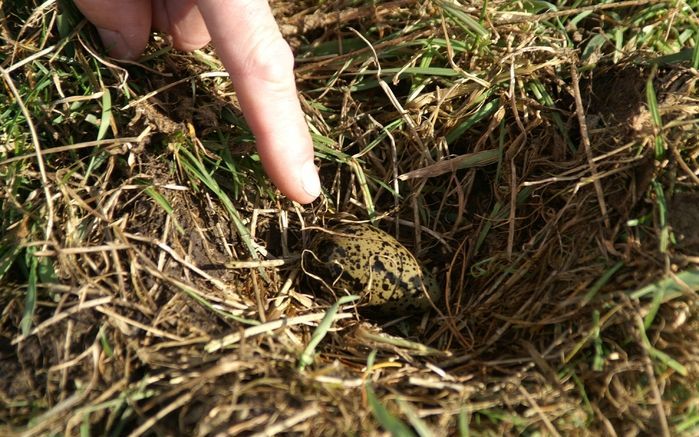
{"points": [[363, 260]]}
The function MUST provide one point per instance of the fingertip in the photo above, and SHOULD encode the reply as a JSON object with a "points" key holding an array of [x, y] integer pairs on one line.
{"points": [[292, 171], [189, 44], [183, 21], [116, 45], [249, 43], [124, 26], [310, 182]]}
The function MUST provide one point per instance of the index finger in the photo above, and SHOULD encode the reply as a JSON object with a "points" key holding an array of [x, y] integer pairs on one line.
{"points": [[260, 62]]}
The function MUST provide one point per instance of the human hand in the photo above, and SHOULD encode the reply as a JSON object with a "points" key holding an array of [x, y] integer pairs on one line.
{"points": [[260, 63]]}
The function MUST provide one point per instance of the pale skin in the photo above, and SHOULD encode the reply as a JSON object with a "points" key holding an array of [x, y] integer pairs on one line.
{"points": [[248, 42]]}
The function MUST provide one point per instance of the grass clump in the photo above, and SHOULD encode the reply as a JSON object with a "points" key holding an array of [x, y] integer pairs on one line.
{"points": [[540, 158]]}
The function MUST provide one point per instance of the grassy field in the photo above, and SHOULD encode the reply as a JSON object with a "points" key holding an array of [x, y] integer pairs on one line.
{"points": [[540, 157]]}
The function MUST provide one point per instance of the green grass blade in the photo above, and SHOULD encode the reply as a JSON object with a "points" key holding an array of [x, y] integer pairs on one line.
{"points": [[8, 255], [659, 355], [196, 296], [463, 423], [578, 18], [670, 288], [484, 111], [198, 170], [618, 44], [419, 425], [158, 198], [478, 159], [363, 187], [593, 46], [665, 237], [85, 426], [423, 71], [104, 342], [388, 421], [690, 423], [106, 114], [599, 283], [537, 6], [500, 212], [581, 389], [30, 299], [598, 358], [464, 20], [652, 102], [653, 310], [676, 58], [306, 358], [45, 272]]}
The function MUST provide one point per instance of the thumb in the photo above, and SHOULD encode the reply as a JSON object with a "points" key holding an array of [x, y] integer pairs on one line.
{"points": [[124, 26]]}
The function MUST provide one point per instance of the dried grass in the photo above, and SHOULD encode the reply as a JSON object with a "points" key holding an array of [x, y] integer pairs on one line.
{"points": [[542, 217]]}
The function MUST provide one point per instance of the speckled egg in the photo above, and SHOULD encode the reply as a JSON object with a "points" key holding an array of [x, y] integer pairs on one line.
{"points": [[363, 260]]}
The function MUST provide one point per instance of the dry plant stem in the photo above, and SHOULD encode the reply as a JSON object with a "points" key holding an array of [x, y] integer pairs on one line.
{"points": [[522, 333], [538, 411], [266, 263], [580, 111], [66, 355], [190, 379], [450, 52], [39, 158], [273, 325], [83, 250], [36, 15], [652, 380], [394, 162], [284, 425], [107, 394], [30, 58], [476, 159], [247, 425], [452, 308], [683, 164], [63, 315], [182, 400], [423, 228], [175, 256], [513, 208], [315, 65], [152, 330], [65, 365], [314, 21], [392, 98], [154, 93], [541, 362], [259, 299], [513, 169], [577, 172], [46, 420], [573, 11], [416, 219], [61, 149], [94, 54], [608, 427]]}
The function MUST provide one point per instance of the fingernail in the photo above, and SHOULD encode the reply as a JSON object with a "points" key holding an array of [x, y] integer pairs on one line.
{"points": [[310, 180], [115, 44]]}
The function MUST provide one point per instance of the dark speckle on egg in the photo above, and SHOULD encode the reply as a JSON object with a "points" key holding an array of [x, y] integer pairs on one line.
{"points": [[363, 260]]}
